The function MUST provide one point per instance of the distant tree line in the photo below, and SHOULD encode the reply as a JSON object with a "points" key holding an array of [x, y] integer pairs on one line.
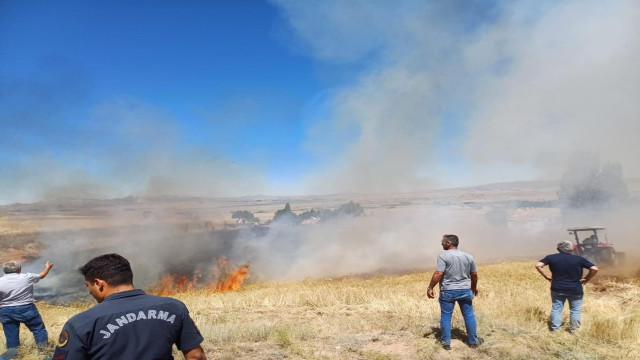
{"points": [[349, 209], [246, 215], [285, 215]]}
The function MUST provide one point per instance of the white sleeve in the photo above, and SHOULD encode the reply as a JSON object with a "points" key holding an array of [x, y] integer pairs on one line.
{"points": [[34, 278]]}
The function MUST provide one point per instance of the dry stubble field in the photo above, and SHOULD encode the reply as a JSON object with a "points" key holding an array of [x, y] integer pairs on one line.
{"points": [[389, 317]]}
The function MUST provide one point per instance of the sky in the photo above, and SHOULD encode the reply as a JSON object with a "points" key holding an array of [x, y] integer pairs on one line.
{"points": [[222, 98]]}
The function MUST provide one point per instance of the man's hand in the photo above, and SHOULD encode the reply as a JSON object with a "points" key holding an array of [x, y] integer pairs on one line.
{"points": [[194, 354], [430, 294], [474, 283], [539, 267], [592, 272], [435, 279], [47, 267]]}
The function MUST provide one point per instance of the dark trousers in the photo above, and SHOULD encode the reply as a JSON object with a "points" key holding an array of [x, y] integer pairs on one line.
{"points": [[12, 316]]}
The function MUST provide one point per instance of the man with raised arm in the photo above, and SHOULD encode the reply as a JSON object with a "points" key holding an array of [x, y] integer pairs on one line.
{"points": [[17, 305]]}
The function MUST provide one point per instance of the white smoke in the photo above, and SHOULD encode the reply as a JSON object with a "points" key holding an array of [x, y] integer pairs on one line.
{"points": [[525, 85]]}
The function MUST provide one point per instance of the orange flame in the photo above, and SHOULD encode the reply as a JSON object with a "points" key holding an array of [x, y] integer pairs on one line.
{"points": [[225, 277], [231, 280]]}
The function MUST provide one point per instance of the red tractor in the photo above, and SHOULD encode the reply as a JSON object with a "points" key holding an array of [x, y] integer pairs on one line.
{"points": [[593, 246]]}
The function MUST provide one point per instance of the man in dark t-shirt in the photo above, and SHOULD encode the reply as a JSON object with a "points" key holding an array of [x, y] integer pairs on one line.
{"points": [[566, 283], [127, 323]]}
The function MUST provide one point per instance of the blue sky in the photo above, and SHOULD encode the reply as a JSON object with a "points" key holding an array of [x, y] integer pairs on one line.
{"points": [[231, 98]]}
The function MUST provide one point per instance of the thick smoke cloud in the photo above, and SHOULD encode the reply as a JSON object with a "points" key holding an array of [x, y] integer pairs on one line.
{"points": [[569, 85], [587, 186], [525, 84], [396, 234], [154, 250], [435, 94]]}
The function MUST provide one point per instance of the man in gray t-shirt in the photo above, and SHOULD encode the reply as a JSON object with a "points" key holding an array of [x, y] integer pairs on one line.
{"points": [[457, 267], [458, 279]]}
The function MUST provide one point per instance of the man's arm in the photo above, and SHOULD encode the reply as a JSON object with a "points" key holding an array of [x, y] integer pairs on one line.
{"points": [[539, 267], [435, 279], [474, 283], [194, 354], [47, 267], [592, 272]]}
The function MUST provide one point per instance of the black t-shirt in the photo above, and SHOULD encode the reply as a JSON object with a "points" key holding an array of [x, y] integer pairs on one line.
{"points": [[566, 272], [129, 325]]}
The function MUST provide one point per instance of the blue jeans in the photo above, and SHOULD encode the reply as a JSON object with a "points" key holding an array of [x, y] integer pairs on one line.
{"points": [[557, 305], [447, 300], [12, 316]]}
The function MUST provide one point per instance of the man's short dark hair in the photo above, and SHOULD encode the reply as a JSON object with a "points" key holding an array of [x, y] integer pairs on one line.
{"points": [[112, 268], [453, 239]]}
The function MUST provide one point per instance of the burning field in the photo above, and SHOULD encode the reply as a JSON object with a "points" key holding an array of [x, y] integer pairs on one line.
{"points": [[182, 244], [390, 317], [165, 260], [222, 276], [348, 288]]}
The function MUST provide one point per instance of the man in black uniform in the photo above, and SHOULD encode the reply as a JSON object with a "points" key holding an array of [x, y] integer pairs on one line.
{"points": [[127, 323]]}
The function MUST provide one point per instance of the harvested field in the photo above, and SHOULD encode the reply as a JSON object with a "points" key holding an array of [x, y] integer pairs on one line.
{"points": [[389, 317]]}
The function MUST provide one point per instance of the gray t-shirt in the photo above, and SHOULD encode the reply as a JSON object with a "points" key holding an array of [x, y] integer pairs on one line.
{"points": [[17, 289], [457, 267]]}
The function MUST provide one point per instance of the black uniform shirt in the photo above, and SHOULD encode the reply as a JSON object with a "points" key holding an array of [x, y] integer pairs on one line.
{"points": [[129, 325]]}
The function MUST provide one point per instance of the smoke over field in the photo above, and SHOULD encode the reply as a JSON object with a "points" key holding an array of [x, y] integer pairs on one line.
{"points": [[188, 237], [405, 97], [388, 104]]}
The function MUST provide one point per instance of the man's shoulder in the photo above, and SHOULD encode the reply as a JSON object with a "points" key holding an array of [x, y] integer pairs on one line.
{"points": [[27, 275], [143, 300], [455, 255], [84, 317], [465, 253], [17, 277], [159, 299], [565, 257], [458, 252], [111, 307]]}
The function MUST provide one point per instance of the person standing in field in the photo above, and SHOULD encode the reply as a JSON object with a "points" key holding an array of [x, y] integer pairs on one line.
{"points": [[17, 304], [127, 323], [457, 277], [566, 283]]}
